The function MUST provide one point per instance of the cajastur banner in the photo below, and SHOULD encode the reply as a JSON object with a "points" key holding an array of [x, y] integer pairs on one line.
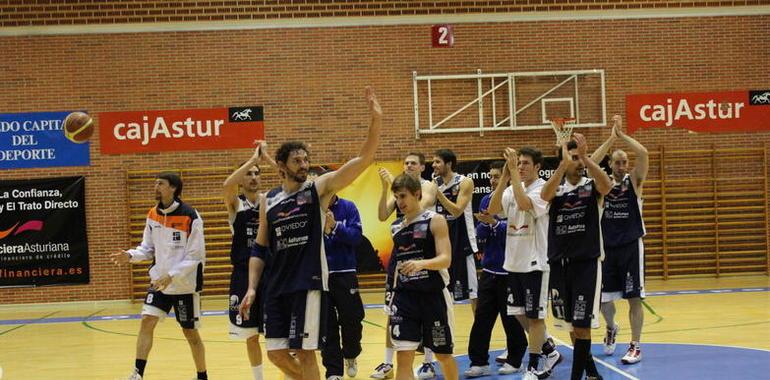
{"points": [[172, 130], [43, 232], [716, 112]]}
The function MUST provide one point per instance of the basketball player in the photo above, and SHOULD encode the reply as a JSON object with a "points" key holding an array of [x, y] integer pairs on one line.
{"points": [[454, 196], [243, 217], [492, 301], [420, 307], [414, 165], [291, 226], [622, 232], [173, 240], [575, 245], [526, 256]]}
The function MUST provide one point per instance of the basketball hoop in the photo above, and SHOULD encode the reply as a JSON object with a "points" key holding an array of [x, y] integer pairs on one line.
{"points": [[562, 127]]}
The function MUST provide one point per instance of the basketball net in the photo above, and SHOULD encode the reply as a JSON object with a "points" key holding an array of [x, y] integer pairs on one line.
{"points": [[562, 127]]}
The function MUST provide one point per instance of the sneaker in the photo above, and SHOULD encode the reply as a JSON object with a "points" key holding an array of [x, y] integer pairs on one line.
{"points": [[477, 371], [134, 375], [352, 366], [633, 355], [426, 371], [551, 360], [548, 346], [530, 375], [334, 378], [508, 369], [502, 357], [595, 377], [383, 371], [609, 340]]}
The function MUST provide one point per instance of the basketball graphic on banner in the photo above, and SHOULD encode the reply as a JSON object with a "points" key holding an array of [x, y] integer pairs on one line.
{"points": [[78, 127]]}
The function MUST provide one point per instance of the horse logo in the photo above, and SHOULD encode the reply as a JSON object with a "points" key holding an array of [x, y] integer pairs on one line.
{"points": [[242, 115]]}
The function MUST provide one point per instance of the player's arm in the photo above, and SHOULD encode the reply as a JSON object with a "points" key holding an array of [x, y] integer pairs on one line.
{"points": [[429, 190], [642, 161], [443, 259], [600, 152], [387, 204], [496, 200], [549, 189], [331, 183], [519, 194], [602, 180], [257, 260], [349, 232], [465, 196], [144, 251], [230, 187]]}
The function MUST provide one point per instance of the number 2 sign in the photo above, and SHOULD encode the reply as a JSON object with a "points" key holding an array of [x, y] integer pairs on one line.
{"points": [[442, 36]]}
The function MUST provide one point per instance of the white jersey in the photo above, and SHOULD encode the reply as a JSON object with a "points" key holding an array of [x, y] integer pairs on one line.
{"points": [[526, 240]]}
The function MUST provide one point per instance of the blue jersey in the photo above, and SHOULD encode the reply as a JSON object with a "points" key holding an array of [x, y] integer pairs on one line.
{"points": [[492, 239], [341, 242], [244, 228], [574, 231], [295, 224], [415, 242], [622, 217]]}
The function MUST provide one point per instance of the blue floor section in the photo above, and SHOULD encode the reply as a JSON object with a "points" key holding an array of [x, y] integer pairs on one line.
{"points": [[661, 362]]}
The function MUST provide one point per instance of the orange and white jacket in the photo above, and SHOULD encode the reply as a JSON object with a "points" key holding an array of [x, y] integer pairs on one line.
{"points": [[173, 239]]}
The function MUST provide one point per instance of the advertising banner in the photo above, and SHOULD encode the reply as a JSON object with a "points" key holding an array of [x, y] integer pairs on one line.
{"points": [[43, 232], [174, 130], [711, 112], [36, 140]]}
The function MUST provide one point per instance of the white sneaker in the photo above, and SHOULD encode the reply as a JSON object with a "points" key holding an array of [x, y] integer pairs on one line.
{"points": [[609, 340], [383, 371], [477, 371], [551, 360], [508, 369], [134, 376], [633, 355], [530, 375], [426, 371], [334, 378], [502, 357], [352, 366]]}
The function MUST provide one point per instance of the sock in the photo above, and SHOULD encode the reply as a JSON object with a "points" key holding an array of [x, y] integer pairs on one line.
{"points": [[203, 376], [257, 372], [139, 364], [591, 367], [534, 360], [389, 352], [580, 359], [428, 356]]}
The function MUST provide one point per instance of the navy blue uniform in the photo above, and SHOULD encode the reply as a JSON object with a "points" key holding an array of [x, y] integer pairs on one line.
{"points": [[298, 272], [244, 228], [622, 230], [463, 283], [421, 308], [575, 253], [346, 309]]}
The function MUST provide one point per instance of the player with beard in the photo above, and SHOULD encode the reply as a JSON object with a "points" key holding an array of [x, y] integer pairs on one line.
{"points": [[622, 232], [290, 231], [454, 196]]}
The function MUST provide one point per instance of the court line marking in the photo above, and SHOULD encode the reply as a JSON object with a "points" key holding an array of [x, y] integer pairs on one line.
{"points": [[25, 324], [600, 361]]}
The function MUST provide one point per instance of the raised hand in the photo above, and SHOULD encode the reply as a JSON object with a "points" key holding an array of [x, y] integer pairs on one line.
{"points": [[374, 104], [385, 177], [582, 146]]}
